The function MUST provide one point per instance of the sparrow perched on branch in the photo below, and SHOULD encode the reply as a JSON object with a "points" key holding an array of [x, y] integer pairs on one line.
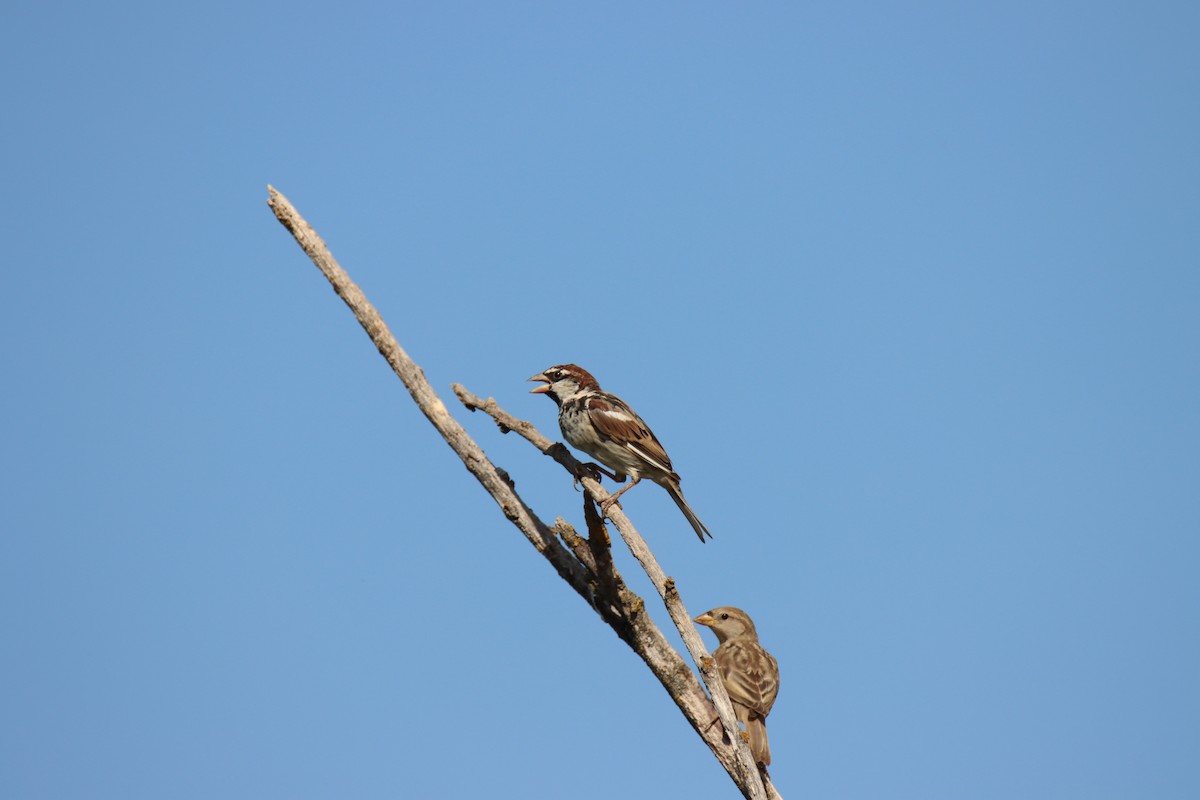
{"points": [[603, 426], [750, 673]]}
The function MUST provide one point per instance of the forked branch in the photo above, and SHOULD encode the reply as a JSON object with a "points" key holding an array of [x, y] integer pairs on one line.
{"points": [[584, 563]]}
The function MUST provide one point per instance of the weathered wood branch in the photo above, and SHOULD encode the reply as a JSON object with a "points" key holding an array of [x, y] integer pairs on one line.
{"points": [[665, 585], [584, 563]]}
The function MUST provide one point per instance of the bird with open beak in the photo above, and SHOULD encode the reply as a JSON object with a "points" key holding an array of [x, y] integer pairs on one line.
{"points": [[607, 429]]}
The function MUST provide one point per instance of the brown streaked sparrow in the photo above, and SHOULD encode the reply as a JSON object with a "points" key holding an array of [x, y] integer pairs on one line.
{"points": [[750, 673], [603, 426]]}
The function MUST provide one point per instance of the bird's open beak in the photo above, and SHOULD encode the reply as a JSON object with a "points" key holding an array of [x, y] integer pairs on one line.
{"points": [[705, 619], [545, 387]]}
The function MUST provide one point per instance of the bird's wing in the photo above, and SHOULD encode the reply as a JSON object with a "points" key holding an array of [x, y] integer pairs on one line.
{"points": [[617, 422], [750, 673]]}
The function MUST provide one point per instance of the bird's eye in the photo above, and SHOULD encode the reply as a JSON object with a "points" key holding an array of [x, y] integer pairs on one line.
{"points": [[724, 616]]}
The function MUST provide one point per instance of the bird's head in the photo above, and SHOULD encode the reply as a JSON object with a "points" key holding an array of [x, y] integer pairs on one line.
{"points": [[563, 382], [728, 622]]}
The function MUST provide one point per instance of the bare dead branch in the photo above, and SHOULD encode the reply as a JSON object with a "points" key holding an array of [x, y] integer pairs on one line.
{"points": [[585, 564], [665, 586]]}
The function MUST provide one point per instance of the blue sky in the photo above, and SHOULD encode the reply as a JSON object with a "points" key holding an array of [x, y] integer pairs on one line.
{"points": [[910, 292]]}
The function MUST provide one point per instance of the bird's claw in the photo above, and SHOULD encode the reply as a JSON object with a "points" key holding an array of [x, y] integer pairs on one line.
{"points": [[608, 503], [589, 470]]}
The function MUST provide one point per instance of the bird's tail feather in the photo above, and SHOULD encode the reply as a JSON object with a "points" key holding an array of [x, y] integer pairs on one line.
{"points": [[697, 525], [759, 747]]}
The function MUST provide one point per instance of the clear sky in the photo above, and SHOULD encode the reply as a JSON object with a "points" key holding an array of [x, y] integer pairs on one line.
{"points": [[910, 292]]}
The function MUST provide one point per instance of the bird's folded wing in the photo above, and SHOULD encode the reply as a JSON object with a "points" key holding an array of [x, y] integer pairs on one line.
{"points": [[750, 673], [616, 422]]}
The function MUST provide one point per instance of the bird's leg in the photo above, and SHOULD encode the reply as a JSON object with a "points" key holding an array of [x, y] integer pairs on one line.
{"points": [[593, 470], [597, 468], [605, 505]]}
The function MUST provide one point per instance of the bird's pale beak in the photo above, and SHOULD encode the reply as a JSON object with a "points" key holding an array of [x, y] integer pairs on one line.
{"points": [[705, 619], [545, 387]]}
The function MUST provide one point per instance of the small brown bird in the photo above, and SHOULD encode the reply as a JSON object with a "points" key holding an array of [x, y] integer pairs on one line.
{"points": [[750, 673], [607, 429]]}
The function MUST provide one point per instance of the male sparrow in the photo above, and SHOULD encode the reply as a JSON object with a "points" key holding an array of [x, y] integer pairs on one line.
{"points": [[750, 673], [604, 427]]}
